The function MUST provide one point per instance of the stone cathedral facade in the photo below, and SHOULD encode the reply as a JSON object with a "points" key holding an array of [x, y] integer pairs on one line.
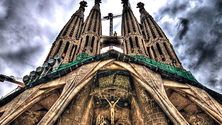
{"points": [[144, 85]]}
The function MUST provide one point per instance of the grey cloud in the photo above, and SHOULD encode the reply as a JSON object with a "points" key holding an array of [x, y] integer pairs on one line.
{"points": [[21, 34], [184, 23], [199, 36]]}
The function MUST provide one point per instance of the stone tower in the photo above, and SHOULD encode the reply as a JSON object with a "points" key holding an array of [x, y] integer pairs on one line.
{"points": [[143, 85]]}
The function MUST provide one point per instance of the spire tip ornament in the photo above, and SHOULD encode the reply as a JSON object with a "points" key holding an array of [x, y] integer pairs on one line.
{"points": [[83, 4], [140, 5]]}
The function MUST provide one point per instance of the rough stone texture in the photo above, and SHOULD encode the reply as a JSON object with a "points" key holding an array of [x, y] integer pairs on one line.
{"points": [[198, 118], [29, 118], [190, 111], [37, 111], [152, 113], [179, 101], [72, 115]]}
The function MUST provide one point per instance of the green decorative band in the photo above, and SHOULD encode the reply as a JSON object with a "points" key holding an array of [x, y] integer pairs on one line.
{"points": [[79, 58], [166, 67]]}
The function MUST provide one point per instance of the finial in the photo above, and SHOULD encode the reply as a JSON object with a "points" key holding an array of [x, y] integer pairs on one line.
{"points": [[140, 5], [83, 4], [97, 1], [125, 2]]}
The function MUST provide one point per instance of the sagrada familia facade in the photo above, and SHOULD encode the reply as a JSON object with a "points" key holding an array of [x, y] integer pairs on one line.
{"points": [[145, 84]]}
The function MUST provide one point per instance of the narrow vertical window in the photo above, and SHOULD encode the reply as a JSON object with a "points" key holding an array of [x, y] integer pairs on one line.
{"points": [[66, 48], [159, 49], [92, 43], [137, 44], [99, 31], [126, 47], [78, 29], [71, 51], [151, 29], [148, 50], [153, 52], [73, 28], [94, 29], [74, 53], [131, 42], [87, 40], [127, 22], [90, 22], [147, 32], [60, 44], [131, 18], [67, 27], [157, 29], [168, 52]]}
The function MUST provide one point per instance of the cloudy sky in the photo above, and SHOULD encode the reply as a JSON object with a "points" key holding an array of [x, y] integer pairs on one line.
{"points": [[29, 27]]}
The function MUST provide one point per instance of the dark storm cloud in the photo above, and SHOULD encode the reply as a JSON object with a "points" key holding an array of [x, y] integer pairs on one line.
{"points": [[22, 36], [184, 25], [198, 40]]}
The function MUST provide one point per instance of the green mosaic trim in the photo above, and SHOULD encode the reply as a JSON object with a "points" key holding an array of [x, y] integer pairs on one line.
{"points": [[79, 58], [166, 67]]}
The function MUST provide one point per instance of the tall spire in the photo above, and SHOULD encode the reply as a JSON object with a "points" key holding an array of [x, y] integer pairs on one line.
{"points": [[153, 31], [66, 43], [157, 45], [134, 43], [91, 31]]}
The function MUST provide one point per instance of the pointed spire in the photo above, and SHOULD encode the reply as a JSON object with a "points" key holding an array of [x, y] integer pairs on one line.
{"points": [[158, 48], [131, 30], [142, 10], [66, 43], [151, 28], [89, 40]]}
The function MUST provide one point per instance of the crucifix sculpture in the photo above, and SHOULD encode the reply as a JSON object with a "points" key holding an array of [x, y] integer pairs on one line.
{"points": [[112, 105], [110, 18]]}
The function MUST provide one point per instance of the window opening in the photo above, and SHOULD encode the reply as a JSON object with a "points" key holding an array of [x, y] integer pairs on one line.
{"points": [[155, 25], [151, 29], [148, 50], [95, 23], [147, 33], [60, 44], [67, 27], [131, 18], [131, 42], [153, 51], [87, 40], [90, 22], [137, 44], [159, 49], [73, 28], [92, 43], [71, 50], [127, 22], [168, 52], [66, 48]]}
